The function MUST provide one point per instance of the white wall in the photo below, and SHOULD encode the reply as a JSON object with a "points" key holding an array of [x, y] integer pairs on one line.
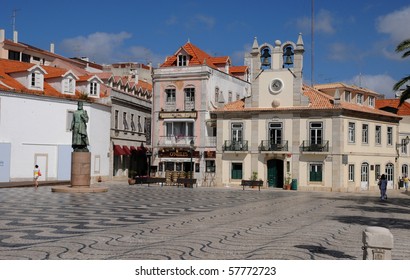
{"points": [[36, 126]]}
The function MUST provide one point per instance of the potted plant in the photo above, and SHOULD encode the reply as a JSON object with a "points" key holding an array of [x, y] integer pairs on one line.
{"points": [[288, 181]]}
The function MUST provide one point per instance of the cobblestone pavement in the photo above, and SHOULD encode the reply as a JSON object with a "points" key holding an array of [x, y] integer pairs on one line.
{"points": [[140, 222]]}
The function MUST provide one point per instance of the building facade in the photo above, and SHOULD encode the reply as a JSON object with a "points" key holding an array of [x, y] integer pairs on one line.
{"points": [[329, 137], [188, 86]]}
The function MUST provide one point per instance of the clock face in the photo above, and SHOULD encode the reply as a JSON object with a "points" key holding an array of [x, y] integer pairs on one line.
{"points": [[276, 86]]}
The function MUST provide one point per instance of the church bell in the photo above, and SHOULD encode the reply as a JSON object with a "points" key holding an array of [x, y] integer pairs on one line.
{"points": [[265, 57], [288, 56]]}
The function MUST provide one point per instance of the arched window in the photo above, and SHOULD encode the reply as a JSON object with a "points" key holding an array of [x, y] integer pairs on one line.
{"points": [[288, 56]]}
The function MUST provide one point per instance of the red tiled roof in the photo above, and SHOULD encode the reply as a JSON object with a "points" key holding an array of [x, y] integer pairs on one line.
{"points": [[317, 101], [199, 57], [403, 110]]}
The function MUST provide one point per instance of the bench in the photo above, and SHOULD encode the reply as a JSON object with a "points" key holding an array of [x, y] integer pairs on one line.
{"points": [[155, 180], [149, 180], [252, 183], [186, 182]]}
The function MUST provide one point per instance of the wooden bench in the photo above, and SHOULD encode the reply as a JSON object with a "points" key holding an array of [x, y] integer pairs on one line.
{"points": [[187, 182], [155, 180], [252, 183], [149, 180]]}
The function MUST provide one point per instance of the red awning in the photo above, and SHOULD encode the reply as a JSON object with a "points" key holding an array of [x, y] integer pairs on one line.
{"points": [[126, 150], [133, 148], [118, 151]]}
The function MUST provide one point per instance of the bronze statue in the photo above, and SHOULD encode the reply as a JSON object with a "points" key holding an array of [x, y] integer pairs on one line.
{"points": [[79, 129]]}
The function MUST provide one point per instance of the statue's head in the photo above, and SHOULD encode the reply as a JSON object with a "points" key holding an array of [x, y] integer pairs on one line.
{"points": [[80, 105]]}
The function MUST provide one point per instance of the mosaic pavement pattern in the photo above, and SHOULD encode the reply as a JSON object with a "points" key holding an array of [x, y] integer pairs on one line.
{"points": [[140, 222]]}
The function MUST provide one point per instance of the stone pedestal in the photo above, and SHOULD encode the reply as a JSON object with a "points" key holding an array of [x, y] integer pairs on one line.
{"points": [[377, 243], [80, 175], [80, 169]]}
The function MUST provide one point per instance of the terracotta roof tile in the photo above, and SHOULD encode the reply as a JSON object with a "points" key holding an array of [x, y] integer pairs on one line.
{"points": [[403, 110], [317, 101]]}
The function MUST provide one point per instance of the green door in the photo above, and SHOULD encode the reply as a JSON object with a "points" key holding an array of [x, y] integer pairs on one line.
{"points": [[275, 173]]}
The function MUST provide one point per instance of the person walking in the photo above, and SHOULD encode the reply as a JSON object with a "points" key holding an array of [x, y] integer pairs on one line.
{"points": [[36, 174], [406, 182], [383, 187]]}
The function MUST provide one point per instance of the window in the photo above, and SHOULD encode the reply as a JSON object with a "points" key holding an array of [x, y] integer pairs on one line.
{"points": [[189, 94], [377, 171], [348, 96], [236, 172], [359, 98], [403, 147], [315, 172], [378, 134], [216, 95], [275, 133], [237, 96], [124, 120], [14, 55], [116, 114], [371, 101], [25, 58], [36, 80], [189, 98], [145, 125], [365, 133], [351, 135], [405, 170], [230, 96], [210, 166], [351, 172], [170, 92], [93, 89], [139, 124], [182, 60], [180, 130], [132, 123], [389, 135], [316, 133], [236, 131], [69, 120], [68, 85]]}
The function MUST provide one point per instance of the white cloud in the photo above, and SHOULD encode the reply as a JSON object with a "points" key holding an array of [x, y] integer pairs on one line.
{"points": [[100, 47], [201, 21], [323, 21], [339, 51], [395, 24], [144, 55], [379, 83]]}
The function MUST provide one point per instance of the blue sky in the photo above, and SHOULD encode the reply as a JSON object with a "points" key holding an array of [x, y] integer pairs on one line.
{"points": [[354, 40]]}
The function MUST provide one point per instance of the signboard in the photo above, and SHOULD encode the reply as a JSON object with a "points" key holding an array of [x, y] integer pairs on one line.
{"points": [[178, 154], [178, 115]]}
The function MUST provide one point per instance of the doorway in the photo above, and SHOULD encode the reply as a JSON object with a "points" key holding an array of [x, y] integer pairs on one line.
{"points": [[275, 173], [364, 176], [42, 161]]}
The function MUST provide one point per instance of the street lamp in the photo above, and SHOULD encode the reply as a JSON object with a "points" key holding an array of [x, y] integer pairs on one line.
{"points": [[149, 154], [191, 149]]}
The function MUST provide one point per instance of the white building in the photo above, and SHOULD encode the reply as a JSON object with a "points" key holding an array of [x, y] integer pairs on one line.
{"points": [[36, 106]]}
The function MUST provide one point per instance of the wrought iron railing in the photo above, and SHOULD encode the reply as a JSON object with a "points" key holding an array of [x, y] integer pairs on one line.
{"points": [[230, 145], [268, 145], [309, 146]]}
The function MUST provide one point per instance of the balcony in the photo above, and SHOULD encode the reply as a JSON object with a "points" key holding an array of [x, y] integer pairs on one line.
{"points": [[272, 146], [235, 146], [308, 146], [175, 141]]}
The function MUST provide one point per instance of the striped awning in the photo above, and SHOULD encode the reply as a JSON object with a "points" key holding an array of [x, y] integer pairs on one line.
{"points": [[126, 150], [118, 151]]}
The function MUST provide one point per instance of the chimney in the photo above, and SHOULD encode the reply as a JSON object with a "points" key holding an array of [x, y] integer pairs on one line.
{"points": [[2, 35], [15, 36], [52, 47]]}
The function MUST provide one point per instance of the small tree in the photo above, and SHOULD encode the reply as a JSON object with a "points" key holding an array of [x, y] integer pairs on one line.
{"points": [[404, 47]]}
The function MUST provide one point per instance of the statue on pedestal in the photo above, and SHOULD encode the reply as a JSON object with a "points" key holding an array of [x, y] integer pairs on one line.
{"points": [[79, 129]]}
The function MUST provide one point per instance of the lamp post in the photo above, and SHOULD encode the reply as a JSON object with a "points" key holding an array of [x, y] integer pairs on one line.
{"points": [[191, 149], [149, 154]]}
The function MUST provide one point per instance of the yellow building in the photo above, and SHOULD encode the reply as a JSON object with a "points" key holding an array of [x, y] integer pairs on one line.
{"points": [[328, 137]]}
